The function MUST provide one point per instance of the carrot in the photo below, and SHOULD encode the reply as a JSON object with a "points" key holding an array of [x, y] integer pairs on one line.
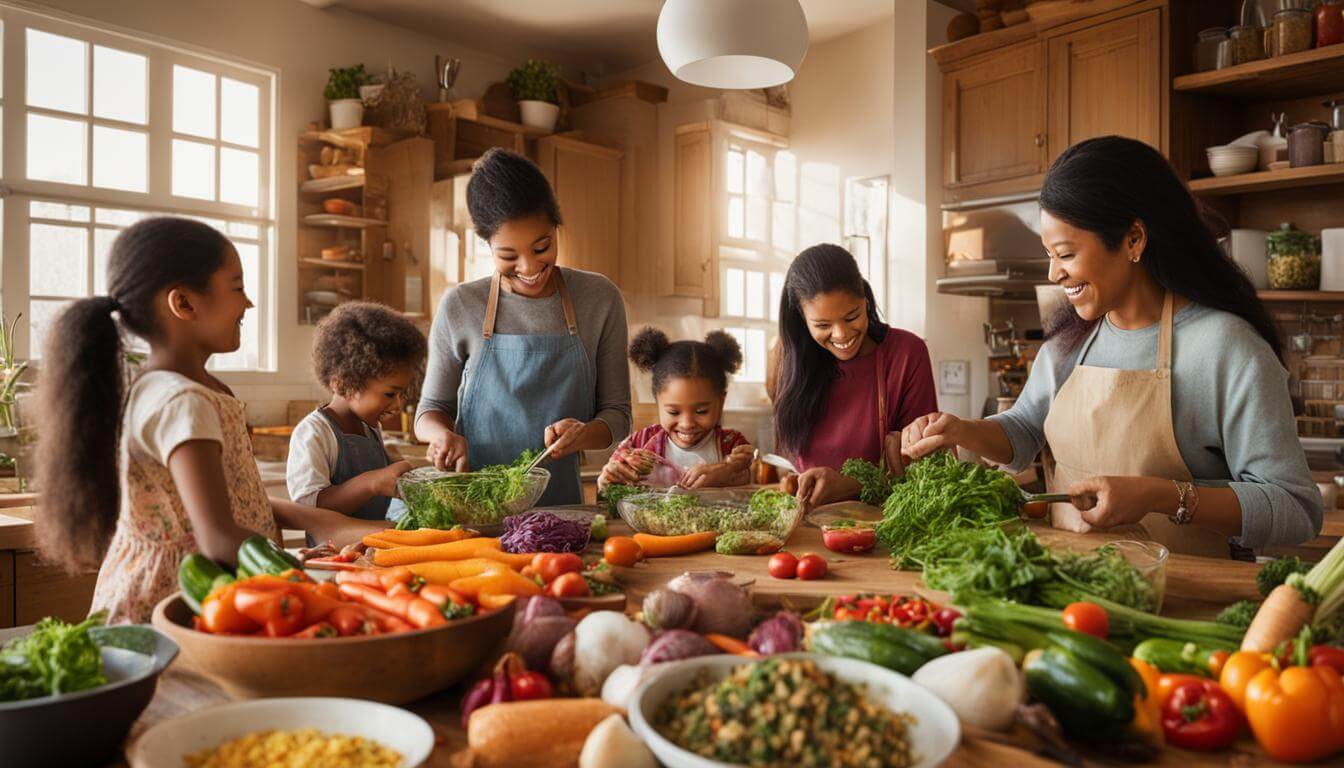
{"points": [[516, 562], [500, 582], [398, 589], [351, 620], [662, 546], [366, 576], [327, 564], [317, 605], [1281, 617], [417, 538], [491, 602], [423, 613], [453, 550], [730, 645], [446, 571], [418, 611], [441, 595]]}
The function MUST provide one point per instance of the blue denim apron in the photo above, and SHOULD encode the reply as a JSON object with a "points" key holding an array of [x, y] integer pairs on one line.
{"points": [[518, 385]]}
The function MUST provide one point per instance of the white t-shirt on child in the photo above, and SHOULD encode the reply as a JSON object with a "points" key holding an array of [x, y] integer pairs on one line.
{"points": [[704, 452]]}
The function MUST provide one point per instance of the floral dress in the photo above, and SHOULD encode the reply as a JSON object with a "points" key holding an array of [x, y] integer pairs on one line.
{"points": [[153, 532]]}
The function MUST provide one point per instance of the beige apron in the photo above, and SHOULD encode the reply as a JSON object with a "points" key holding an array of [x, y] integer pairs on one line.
{"points": [[1107, 421]]}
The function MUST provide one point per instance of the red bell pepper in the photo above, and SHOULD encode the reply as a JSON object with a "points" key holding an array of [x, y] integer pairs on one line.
{"points": [[1199, 715], [279, 612], [1327, 656]]}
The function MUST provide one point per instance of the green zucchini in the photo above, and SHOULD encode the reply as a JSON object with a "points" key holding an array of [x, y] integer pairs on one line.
{"points": [[197, 576], [1101, 655], [259, 555], [1174, 656], [1083, 698], [881, 644]]}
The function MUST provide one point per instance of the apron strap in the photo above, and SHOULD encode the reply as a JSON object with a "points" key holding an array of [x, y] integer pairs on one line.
{"points": [[570, 322], [492, 305], [1164, 334]]}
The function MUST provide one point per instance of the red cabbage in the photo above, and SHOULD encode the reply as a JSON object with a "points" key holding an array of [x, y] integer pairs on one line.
{"points": [[540, 531]]}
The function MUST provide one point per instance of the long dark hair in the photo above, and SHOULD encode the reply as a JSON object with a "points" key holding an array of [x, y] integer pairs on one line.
{"points": [[81, 391], [805, 368], [1106, 184]]}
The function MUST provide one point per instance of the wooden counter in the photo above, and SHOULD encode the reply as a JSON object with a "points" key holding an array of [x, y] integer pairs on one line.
{"points": [[1196, 588]]}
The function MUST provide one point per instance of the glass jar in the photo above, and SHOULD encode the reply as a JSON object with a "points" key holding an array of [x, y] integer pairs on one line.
{"points": [[1248, 44], [1292, 31], [1330, 23], [1294, 259], [1206, 48]]}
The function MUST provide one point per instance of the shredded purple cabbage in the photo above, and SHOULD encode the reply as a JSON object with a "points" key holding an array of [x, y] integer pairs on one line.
{"points": [[540, 531]]}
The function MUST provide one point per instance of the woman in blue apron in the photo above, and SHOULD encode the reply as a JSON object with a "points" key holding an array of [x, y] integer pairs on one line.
{"points": [[533, 355]]}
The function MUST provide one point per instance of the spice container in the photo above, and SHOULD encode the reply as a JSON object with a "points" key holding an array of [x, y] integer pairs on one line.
{"points": [[1248, 44], [1294, 260], [1330, 23], [1206, 48], [1306, 144], [1224, 54], [1292, 31]]}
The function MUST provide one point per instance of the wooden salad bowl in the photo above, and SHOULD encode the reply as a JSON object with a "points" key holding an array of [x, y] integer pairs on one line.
{"points": [[393, 669]]}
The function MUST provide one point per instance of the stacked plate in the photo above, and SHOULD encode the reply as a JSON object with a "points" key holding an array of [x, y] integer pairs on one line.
{"points": [[1232, 159]]}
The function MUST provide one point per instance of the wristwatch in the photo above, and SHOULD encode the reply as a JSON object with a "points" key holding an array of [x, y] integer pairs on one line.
{"points": [[1185, 512]]}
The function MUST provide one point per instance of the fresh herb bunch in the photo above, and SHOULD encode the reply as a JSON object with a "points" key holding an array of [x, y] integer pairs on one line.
{"points": [[535, 81], [986, 562], [674, 514], [344, 82], [1239, 614], [470, 498], [1106, 573], [613, 494], [1276, 572], [940, 493], [874, 480], [55, 657]]}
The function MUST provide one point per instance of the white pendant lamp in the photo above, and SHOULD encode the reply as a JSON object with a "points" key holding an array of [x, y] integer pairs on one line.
{"points": [[734, 44]]}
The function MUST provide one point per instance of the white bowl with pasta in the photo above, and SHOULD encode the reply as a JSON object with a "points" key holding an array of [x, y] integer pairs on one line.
{"points": [[170, 742]]}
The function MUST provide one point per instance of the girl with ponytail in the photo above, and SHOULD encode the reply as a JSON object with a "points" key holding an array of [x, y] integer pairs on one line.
{"points": [[690, 384], [134, 478], [845, 383]]}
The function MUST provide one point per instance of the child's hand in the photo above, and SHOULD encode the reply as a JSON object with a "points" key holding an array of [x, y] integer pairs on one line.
{"points": [[706, 475], [618, 471], [385, 482], [640, 460], [448, 451]]}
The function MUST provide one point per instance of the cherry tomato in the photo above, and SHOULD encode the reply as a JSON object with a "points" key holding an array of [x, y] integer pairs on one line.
{"points": [[530, 685], [944, 619], [550, 565], [811, 567], [623, 551], [783, 565], [568, 585], [1088, 618]]}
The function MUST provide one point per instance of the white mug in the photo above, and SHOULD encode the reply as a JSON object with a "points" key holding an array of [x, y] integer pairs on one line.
{"points": [[1332, 259], [1249, 249]]}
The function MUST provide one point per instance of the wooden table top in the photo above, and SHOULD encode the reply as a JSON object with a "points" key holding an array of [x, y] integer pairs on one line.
{"points": [[1196, 588]]}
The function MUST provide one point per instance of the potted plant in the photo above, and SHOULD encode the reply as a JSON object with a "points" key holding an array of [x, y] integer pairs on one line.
{"points": [[533, 85], [342, 92]]}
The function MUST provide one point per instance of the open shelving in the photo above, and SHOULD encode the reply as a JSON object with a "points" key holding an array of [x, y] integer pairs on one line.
{"points": [[1295, 75], [1268, 181]]}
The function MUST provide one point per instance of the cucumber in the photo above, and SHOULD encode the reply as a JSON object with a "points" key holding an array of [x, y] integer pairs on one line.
{"points": [[198, 575], [259, 555], [875, 643], [1175, 656], [1103, 656], [1082, 697]]}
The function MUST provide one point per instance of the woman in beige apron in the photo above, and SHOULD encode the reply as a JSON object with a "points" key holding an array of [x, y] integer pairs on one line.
{"points": [[1190, 382]]}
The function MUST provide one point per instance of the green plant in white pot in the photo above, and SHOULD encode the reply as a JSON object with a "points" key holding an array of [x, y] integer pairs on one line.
{"points": [[342, 92], [533, 85]]}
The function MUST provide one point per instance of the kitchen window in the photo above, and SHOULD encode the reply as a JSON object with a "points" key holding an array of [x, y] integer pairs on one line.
{"points": [[100, 129]]}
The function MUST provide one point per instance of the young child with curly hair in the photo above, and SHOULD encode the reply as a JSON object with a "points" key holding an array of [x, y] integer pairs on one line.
{"points": [[368, 356], [690, 384]]}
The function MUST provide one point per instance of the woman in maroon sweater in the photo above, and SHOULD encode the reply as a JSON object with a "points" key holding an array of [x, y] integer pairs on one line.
{"points": [[846, 383]]}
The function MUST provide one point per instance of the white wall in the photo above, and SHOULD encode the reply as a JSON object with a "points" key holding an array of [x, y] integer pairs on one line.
{"points": [[301, 43]]}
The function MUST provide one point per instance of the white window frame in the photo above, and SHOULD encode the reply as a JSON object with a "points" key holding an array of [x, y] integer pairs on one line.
{"points": [[18, 191]]}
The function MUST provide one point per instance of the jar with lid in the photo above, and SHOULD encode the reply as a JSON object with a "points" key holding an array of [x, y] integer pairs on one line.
{"points": [[1306, 144], [1292, 31], [1206, 48], [1248, 44], [1294, 259], [1330, 23]]}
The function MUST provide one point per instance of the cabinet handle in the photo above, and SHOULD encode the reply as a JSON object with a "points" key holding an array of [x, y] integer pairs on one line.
{"points": [[1040, 139]]}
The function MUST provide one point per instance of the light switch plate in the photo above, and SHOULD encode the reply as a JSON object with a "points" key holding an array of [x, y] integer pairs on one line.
{"points": [[954, 377]]}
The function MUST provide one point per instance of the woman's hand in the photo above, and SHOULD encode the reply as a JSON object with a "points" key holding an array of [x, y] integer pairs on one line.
{"points": [[448, 451], [929, 434], [567, 436], [1106, 502], [824, 485]]}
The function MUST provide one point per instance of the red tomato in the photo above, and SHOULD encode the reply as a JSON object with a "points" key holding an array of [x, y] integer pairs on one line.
{"points": [[783, 565], [623, 551], [568, 585], [849, 540], [551, 565], [530, 685], [1088, 618], [811, 567]]}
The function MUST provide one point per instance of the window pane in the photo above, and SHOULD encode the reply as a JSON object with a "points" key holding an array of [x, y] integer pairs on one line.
{"points": [[193, 102], [41, 313], [756, 294], [40, 209], [757, 213], [758, 175], [193, 170], [238, 172], [239, 115], [733, 291], [786, 176], [56, 149], [783, 228], [248, 353], [120, 159], [733, 172], [754, 352], [120, 91], [58, 260], [119, 217], [244, 230], [736, 209], [57, 72], [776, 293], [102, 247]]}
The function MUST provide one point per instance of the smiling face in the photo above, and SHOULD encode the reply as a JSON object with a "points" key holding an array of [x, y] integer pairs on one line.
{"points": [[689, 407], [383, 396], [1095, 278], [220, 308], [524, 251], [838, 321]]}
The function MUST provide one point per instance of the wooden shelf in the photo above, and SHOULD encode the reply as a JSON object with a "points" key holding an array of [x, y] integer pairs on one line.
{"points": [[1316, 72], [457, 168], [1314, 296], [332, 264], [332, 184], [351, 138], [1266, 181], [342, 222]]}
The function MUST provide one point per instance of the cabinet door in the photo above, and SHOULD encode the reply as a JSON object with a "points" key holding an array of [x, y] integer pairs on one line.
{"points": [[1107, 80], [994, 117], [692, 216], [587, 182]]}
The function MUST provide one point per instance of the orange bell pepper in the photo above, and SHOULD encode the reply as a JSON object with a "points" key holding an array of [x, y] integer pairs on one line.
{"points": [[1148, 705], [1237, 673], [500, 582], [1297, 715]]}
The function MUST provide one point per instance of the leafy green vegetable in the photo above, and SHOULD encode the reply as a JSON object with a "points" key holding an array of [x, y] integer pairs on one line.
{"points": [[747, 543], [1105, 572], [876, 483], [600, 578], [613, 494], [1238, 614], [55, 657], [473, 498], [1276, 572], [939, 494], [674, 514], [599, 528]]}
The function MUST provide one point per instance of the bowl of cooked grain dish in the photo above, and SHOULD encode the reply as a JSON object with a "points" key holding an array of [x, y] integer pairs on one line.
{"points": [[791, 710], [288, 733]]}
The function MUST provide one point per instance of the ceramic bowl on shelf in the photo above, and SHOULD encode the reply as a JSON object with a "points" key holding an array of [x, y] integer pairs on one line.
{"points": [[1232, 159]]}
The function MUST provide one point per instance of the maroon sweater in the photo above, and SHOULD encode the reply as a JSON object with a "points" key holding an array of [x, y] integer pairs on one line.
{"points": [[847, 428]]}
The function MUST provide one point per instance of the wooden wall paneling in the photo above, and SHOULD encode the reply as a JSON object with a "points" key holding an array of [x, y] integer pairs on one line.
{"points": [[994, 116], [587, 182], [693, 219], [408, 167], [1310, 209], [42, 590]]}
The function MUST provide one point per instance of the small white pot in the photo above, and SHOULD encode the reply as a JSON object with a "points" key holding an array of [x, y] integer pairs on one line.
{"points": [[346, 113], [368, 93], [539, 114]]}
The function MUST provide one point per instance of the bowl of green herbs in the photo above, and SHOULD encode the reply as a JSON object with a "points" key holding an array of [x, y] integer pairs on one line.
{"points": [[678, 511], [480, 500]]}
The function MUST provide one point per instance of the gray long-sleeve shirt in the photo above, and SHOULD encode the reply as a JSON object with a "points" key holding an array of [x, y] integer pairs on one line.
{"points": [[599, 312], [1231, 413]]}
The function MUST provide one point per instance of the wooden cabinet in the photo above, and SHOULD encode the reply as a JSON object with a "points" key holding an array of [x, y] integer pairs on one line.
{"points": [[1107, 79], [693, 191], [994, 117], [587, 182]]}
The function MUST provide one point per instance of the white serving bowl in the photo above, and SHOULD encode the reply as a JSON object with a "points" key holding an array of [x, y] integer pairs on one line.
{"points": [[934, 734], [166, 743], [1232, 159]]}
